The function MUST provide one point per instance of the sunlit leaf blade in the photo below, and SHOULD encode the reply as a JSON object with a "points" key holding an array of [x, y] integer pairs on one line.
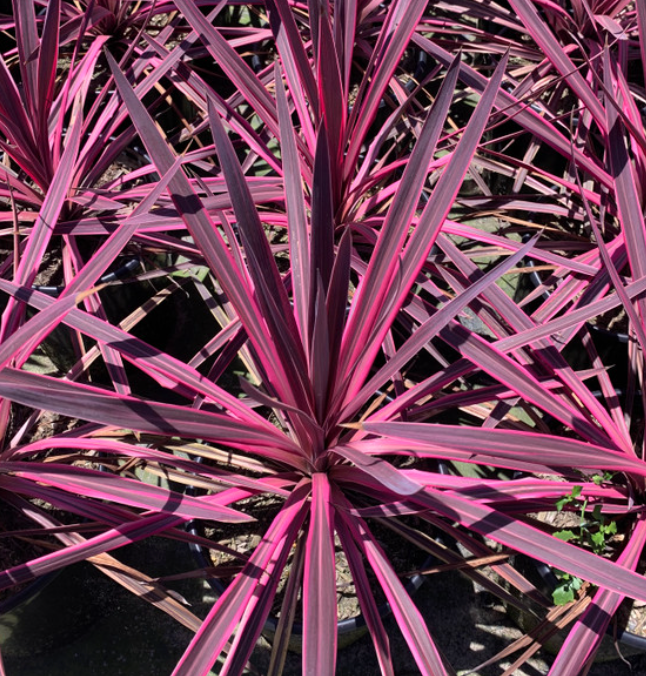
{"points": [[295, 206], [382, 266], [337, 304], [262, 266], [529, 540], [525, 115], [333, 103], [380, 471], [47, 63], [367, 602], [626, 190], [262, 269], [27, 42], [105, 486], [319, 584], [392, 41], [511, 445], [539, 31], [322, 226], [125, 534], [49, 213], [296, 66], [233, 65], [281, 638], [418, 246], [320, 359], [432, 327]]}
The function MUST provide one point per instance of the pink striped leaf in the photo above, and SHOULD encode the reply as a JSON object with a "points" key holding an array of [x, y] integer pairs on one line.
{"points": [[365, 594], [94, 404], [268, 285], [147, 358], [627, 190], [529, 540], [295, 65], [233, 65], [106, 486], [319, 584], [125, 534], [394, 37], [432, 327], [333, 103], [540, 32], [383, 261], [49, 213], [522, 113], [205, 235], [423, 236], [47, 62], [295, 207], [543, 448]]}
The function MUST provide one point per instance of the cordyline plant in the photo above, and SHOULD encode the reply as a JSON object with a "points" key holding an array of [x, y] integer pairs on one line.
{"points": [[313, 210]]}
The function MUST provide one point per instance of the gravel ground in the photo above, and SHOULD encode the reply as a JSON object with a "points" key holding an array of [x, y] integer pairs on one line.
{"points": [[128, 638]]}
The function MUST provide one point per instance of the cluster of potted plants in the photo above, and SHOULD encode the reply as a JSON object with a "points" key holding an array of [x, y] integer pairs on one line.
{"points": [[271, 251]]}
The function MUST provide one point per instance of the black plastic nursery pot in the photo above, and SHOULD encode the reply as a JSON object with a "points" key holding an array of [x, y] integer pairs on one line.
{"points": [[49, 610], [52, 611], [348, 630]]}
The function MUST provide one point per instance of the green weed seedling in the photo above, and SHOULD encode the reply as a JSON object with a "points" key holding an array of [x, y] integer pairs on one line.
{"points": [[593, 532]]}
